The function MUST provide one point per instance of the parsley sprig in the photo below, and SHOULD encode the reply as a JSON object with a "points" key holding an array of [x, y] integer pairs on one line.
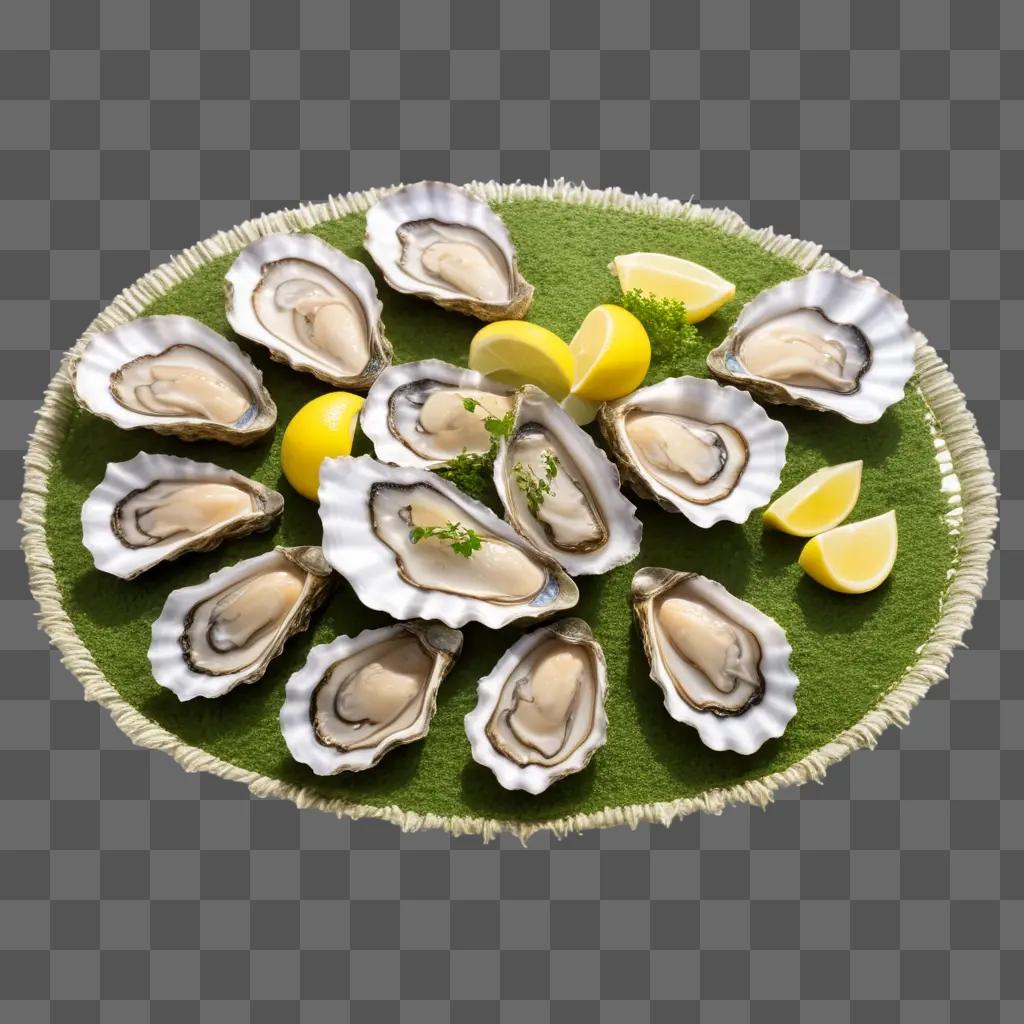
{"points": [[461, 539], [536, 487], [471, 471], [663, 319]]}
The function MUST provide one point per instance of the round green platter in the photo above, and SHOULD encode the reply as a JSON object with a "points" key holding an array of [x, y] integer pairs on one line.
{"points": [[863, 662]]}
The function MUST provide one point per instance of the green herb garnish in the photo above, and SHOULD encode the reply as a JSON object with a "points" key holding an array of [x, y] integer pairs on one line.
{"points": [[462, 540], [663, 319], [471, 471], [535, 487]]}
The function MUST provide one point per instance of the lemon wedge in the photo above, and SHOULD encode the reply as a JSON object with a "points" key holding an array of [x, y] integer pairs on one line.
{"points": [[855, 558], [611, 354], [516, 352], [701, 290], [818, 503], [321, 429], [581, 411]]}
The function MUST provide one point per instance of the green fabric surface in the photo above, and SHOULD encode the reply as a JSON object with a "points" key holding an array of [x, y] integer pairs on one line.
{"points": [[847, 651]]}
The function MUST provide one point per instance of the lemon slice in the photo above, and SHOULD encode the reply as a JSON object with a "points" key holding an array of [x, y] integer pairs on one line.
{"points": [[855, 558], [581, 411], [818, 503], [701, 290], [321, 429], [611, 354], [516, 352]]}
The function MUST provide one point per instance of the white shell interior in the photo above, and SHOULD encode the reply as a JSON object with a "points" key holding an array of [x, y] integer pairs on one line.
{"points": [[121, 478], [247, 271], [374, 418], [602, 478], [108, 351], [295, 717], [429, 200], [533, 778], [748, 731], [855, 300], [165, 654], [710, 402], [352, 546]]}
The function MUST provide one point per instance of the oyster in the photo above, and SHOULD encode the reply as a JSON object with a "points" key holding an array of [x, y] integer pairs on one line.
{"points": [[696, 447], [310, 306], [829, 341], [219, 634], [439, 242], [722, 665], [478, 569], [175, 376], [358, 697], [153, 508], [561, 492], [540, 713], [416, 414]]}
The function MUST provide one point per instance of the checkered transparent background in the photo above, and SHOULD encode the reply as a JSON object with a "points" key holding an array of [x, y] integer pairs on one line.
{"points": [[131, 891]]}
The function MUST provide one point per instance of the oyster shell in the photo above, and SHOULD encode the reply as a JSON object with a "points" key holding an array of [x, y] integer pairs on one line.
{"points": [[582, 519], [154, 508], [369, 512], [722, 665], [828, 341], [310, 306], [219, 634], [696, 447], [415, 414], [175, 376], [439, 242], [540, 712], [358, 697]]}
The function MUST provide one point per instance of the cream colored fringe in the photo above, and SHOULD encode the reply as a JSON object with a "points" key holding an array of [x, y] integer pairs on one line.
{"points": [[968, 479]]}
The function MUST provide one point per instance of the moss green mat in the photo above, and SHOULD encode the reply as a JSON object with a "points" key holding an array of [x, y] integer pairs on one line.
{"points": [[847, 651]]}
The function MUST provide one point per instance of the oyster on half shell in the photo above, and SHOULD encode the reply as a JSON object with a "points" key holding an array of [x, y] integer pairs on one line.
{"points": [[560, 490], [225, 631], [371, 513], [358, 697], [829, 341], [696, 447], [175, 376], [416, 414], [310, 306], [442, 243], [722, 665], [154, 508], [540, 712]]}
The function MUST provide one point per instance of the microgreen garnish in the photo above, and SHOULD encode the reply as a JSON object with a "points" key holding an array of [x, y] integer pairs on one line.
{"points": [[663, 319], [461, 539], [536, 487]]}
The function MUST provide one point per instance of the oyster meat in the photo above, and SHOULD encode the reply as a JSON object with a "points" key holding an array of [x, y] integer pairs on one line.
{"points": [[358, 697], [561, 492], [696, 447], [415, 546], [311, 306], [828, 341], [540, 713], [153, 508], [425, 413], [440, 242], [219, 634], [722, 665], [175, 376]]}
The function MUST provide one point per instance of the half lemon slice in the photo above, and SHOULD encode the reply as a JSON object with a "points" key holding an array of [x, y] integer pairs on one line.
{"points": [[855, 558], [701, 290], [516, 352], [611, 354], [818, 503]]}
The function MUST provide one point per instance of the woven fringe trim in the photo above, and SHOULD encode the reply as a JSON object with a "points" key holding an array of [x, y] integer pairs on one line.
{"points": [[972, 521]]}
